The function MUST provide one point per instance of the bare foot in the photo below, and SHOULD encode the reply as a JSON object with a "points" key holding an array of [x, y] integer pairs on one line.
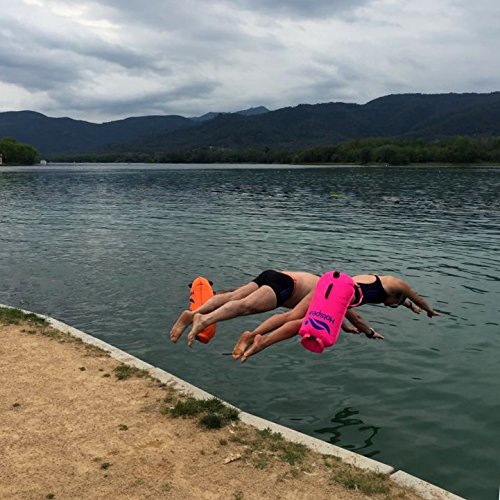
{"points": [[184, 320], [198, 326], [257, 346], [242, 344]]}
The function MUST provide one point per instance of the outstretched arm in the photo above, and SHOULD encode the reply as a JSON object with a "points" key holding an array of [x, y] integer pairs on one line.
{"points": [[349, 328], [411, 306], [361, 324], [405, 288]]}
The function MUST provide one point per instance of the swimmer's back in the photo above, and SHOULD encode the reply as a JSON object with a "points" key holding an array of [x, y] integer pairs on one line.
{"points": [[304, 283]]}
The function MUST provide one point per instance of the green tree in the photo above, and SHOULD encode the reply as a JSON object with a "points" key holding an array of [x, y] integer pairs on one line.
{"points": [[16, 153]]}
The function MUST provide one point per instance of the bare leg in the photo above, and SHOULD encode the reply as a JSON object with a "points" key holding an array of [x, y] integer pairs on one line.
{"points": [[271, 324], [260, 300], [218, 300], [260, 342]]}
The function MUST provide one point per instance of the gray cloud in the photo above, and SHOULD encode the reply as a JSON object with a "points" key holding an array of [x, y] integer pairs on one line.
{"points": [[104, 59], [303, 8], [147, 103], [34, 69], [47, 60]]}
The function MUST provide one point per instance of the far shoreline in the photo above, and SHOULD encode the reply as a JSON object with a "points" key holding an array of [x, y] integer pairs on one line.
{"points": [[242, 165]]}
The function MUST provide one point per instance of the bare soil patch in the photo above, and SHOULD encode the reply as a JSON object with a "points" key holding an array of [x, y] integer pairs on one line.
{"points": [[74, 425]]}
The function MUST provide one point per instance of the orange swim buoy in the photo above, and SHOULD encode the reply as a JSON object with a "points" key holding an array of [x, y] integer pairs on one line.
{"points": [[201, 291]]}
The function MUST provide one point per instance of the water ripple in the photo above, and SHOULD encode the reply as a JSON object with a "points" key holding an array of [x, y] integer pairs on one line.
{"points": [[112, 249]]}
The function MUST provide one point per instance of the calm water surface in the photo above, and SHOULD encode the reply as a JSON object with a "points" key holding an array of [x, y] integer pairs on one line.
{"points": [[111, 250]]}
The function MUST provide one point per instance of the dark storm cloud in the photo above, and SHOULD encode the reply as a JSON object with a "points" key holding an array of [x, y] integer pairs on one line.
{"points": [[303, 9]]}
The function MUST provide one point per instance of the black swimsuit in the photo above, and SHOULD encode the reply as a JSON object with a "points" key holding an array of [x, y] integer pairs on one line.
{"points": [[369, 293], [281, 283]]}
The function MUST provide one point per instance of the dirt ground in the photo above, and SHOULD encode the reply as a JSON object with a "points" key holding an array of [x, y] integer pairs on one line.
{"points": [[70, 429]]}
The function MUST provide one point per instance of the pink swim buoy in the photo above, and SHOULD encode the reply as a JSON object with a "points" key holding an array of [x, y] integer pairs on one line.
{"points": [[331, 298]]}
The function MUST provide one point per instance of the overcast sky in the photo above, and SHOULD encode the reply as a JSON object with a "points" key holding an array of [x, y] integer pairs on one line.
{"points": [[111, 59]]}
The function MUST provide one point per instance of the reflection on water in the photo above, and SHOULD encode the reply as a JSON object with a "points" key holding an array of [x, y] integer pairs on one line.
{"points": [[112, 249], [341, 434]]}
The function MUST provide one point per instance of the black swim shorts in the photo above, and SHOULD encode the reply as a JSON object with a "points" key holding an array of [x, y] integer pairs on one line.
{"points": [[281, 283]]}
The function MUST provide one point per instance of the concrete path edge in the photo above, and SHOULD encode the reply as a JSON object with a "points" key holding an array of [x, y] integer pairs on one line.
{"points": [[402, 478]]}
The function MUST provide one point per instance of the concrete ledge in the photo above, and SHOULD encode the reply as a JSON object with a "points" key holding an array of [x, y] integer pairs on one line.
{"points": [[426, 490], [423, 488]]}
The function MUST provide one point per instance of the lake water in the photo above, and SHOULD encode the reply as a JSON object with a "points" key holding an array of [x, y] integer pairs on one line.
{"points": [[111, 250]]}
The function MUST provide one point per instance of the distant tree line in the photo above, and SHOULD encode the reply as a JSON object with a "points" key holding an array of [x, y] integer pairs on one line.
{"points": [[393, 151], [16, 153]]}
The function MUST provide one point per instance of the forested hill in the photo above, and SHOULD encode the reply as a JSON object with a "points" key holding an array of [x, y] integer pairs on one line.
{"points": [[65, 135], [428, 116]]}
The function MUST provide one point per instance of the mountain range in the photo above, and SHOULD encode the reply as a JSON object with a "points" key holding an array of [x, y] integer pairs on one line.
{"points": [[427, 116]]}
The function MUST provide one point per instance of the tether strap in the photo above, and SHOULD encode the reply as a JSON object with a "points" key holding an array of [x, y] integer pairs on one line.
{"points": [[358, 296]]}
